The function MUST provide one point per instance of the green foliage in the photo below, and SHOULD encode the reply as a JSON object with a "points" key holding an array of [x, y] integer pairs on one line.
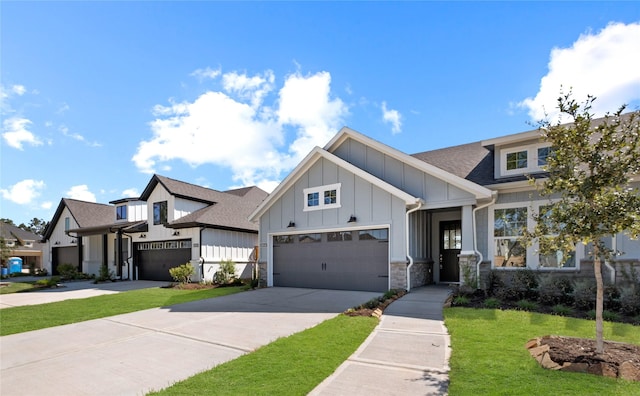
{"points": [[494, 282], [105, 274], [523, 285], [226, 273], [48, 282], [461, 301], [491, 303], [182, 273], [584, 295], [630, 300], [526, 305], [561, 310], [552, 290], [68, 271]]}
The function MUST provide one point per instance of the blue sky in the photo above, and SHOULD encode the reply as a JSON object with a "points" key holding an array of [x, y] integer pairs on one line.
{"points": [[98, 96]]}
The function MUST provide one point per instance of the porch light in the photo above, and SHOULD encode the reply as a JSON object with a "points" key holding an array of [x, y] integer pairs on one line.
{"points": [[291, 224], [176, 233], [352, 219]]}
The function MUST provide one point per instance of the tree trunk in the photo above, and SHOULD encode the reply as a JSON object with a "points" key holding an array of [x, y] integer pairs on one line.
{"points": [[597, 268]]}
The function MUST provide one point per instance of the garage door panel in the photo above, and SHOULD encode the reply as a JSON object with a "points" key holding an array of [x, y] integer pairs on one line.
{"points": [[332, 264], [154, 264]]}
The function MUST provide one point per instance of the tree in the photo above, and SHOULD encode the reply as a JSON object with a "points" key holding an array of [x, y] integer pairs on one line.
{"points": [[589, 173], [37, 226]]}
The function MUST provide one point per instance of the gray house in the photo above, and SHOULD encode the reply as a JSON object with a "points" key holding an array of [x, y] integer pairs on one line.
{"points": [[170, 224], [360, 215]]}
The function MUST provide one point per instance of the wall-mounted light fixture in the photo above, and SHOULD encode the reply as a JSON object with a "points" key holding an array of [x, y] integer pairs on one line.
{"points": [[176, 233], [57, 243], [73, 241], [143, 236], [291, 224], [352, 219]]}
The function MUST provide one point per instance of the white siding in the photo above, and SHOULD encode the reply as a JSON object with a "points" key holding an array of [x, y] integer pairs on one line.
{"points": [[183, 207], [219, 245]]}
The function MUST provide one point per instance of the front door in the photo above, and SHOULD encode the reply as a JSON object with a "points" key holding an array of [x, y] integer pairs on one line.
{"points": [[450, 246]]}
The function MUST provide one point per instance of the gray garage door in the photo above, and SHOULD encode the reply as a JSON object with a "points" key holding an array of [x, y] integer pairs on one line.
{"points": [[154, 259], [347, 260]]}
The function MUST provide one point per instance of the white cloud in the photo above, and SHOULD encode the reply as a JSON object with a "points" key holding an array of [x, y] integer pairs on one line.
{"points": [[242, 133], [605, 65], [76, 136], [82, 193], [18, 89], [16, 133], [24, 192], [202, 74], [46, 205], [392, 117], [131, 193]]}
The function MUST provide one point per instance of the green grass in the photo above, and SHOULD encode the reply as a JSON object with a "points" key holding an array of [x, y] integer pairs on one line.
{"points": [[288, 366], [15, 287], [489, 358], [34, 317]]}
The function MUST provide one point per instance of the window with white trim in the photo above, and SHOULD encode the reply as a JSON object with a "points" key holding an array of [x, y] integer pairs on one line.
{"points": [[524, 159], [121, 212], [508, 251], [323, 197]]}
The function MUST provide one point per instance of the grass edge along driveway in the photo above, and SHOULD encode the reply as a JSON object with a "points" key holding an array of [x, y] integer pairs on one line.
{"points": [[489, 357], [292, 365], [34, 317]]}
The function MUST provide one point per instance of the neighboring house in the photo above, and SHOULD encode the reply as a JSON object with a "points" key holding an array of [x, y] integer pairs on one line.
{"points": [[170, 224], [23, 244], [358, 214]]}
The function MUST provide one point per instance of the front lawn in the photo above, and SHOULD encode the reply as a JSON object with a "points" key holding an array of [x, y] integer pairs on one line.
{"points": [[34, 317], [289, 366], [15, 287], [489, 357]]}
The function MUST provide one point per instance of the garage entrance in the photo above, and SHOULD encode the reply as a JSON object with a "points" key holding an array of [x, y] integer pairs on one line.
{"points": [[65, 255], [154, 259], [343, 260]]}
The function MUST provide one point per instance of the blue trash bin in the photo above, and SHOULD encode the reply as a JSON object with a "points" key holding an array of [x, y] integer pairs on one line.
{"points": [[15, 265], [5, 272]]}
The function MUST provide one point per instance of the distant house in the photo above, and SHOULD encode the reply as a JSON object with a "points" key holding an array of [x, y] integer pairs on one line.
{"points": [[23, 244], [358, 214], [170, 224]]}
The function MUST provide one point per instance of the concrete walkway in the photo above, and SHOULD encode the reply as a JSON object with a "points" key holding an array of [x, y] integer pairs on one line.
{"points": [[407, 353], [69, 291]]}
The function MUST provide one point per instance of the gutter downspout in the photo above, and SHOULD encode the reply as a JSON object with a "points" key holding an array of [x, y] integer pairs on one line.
{"points": [[494, 195], [420, 202]]}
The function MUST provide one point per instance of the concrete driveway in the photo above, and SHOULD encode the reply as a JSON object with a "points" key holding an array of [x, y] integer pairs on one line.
{"points": [[134, 353]]}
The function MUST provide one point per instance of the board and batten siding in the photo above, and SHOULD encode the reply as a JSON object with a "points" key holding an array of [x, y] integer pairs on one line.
{"points": [[434, 191], [219, 245], [183, 207], [371, 205]]}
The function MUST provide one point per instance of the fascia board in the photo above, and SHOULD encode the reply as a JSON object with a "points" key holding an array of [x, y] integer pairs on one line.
{"points": [[478, 191]]}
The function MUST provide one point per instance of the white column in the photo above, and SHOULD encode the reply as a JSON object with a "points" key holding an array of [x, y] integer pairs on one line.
{"points": [[467, 230]]}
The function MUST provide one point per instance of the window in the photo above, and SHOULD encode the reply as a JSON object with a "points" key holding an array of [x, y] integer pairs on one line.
{"points": [[160, 213], [517, 160], [309, 238], [525, 159], [507, 228], [323, 197], [339, 236], [121, 212], [557, 259], [283, 239], [67, 224], [379, 235]]}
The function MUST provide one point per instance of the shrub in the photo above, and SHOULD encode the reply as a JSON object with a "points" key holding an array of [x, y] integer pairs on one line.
{"points": [[226, 273], [584, 295], [629, 301], [41, 272], [526, 305], [553, 291], [610, 316], [561, 310], [68, 271], [611, 297], [522, 286], [182, 274], [491, 303], [106, 274], [48, 282], [494, 283], [461, 300]]}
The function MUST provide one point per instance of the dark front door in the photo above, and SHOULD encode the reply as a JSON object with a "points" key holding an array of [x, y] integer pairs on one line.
{"points": [[450, 246]]}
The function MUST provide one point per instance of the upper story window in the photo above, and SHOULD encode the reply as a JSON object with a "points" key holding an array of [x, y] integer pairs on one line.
{"points": [[323, 197], [160, 212], [121, 212], [67, 224], [524, 159]]}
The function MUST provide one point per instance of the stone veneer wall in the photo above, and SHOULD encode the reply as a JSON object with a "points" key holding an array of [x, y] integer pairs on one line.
{"points": [[262, 274], [398, 275]]}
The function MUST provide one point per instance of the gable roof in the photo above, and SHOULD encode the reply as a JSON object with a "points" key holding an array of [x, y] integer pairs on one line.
{"points": [[182, 189], [469, 186], [10, 231], [311, 159], [85, 214], [231, 211]]}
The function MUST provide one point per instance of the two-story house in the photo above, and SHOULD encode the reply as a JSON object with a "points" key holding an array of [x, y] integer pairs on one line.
{"points": [[358, 214], [22, 244], [170, 224]]}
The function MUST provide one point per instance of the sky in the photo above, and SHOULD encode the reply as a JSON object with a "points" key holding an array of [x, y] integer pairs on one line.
{"points": [[96, 97]]}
